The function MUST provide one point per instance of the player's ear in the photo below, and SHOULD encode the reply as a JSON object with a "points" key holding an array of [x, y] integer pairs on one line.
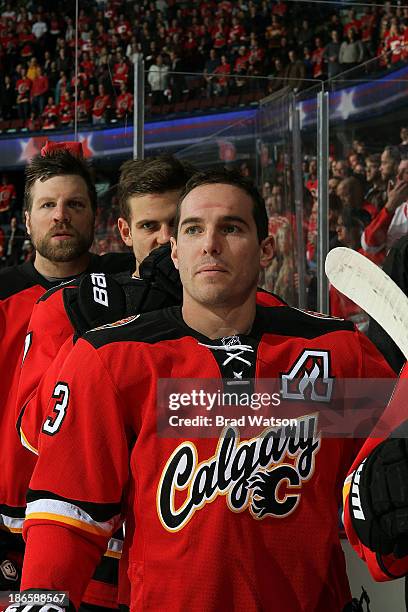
{"points": [[27, 222], [125, 233], [267, 251], [173, 245]]}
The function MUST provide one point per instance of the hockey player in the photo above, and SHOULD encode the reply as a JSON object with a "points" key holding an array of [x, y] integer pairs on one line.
{"points": [[60, 205], [211, 523], [148, 191], [148, 194]]}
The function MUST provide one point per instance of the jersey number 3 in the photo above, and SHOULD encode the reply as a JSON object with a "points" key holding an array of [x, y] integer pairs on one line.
{"points": [[53, 423]]}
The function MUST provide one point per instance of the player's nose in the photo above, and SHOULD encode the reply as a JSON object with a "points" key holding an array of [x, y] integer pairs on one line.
{"points": [[211, 241], [166, 232], [61, 212]]}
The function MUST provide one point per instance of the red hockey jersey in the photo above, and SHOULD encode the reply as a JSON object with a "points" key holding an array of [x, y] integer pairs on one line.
{"points": [[20, 287], [211, 523]]}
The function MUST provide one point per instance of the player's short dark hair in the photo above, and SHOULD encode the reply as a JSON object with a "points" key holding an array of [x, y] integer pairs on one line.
{"points": [[229, 177], [139, 177], [57, 163]]}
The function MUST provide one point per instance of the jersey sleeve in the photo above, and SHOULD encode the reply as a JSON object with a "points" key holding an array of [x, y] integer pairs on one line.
{"points": [[375, 234], [83, 434], [47, 331], [381, 567], [32, 412]]}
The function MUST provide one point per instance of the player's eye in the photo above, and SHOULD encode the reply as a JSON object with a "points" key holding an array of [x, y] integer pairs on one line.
{"points": [[231, 229], [76, 204], [149, 225], [192, 230], [47, 204]]}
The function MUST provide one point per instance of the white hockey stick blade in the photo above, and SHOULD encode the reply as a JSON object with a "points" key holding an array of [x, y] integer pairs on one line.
{"points": [[369, 287]]}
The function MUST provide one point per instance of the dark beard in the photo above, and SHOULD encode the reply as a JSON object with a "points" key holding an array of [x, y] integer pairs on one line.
{"points": [[66, 250]]}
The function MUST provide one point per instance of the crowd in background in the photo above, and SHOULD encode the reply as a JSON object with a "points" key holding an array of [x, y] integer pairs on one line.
{"points": [[214, 39], [211, 38], [368, 211]]}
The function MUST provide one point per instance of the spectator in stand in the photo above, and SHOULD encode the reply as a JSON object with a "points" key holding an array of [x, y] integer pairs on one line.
{"points": [[351, 51], [242, 60], [211, 64], [14, 243], [23, 87], [304, 35], [390, 160], [63, 62], [39, 91], [311, 183], [66, 111], [7, 199], [368, 24], [7, 98], [32, 71], [392, 221], [403, 146], [121, 70], [277, 78], [376, 191], [393, 44], [295, 72], [349, 230], [49, 116], [331, 55], [39, 27], [177, 81], [84, 107], [124, 104], [101, 106], [341, 169], [352, 23], [351, 194], [158, 79], [221, 85], [318, 59], [61, 87]]}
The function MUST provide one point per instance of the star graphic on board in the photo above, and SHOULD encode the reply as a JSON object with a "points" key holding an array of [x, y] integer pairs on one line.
{"points": [[346, 106], [33, 145]]}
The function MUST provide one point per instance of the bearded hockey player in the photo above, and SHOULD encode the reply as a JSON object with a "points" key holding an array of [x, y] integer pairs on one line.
{"points": [[60, 206], [198, 535]]}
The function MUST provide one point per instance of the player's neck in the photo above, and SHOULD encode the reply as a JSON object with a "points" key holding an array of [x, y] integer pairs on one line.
{"points": [[219, 321], [64, 269]]}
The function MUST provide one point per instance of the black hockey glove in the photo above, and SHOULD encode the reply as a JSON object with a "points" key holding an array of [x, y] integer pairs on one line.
{"points": [[378, 500], [159, 270]]}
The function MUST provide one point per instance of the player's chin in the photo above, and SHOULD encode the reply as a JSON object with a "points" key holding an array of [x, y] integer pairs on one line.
{"points": [[64, 251]]}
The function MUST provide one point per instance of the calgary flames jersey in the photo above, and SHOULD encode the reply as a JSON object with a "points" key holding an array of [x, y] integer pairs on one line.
{"points": [[212, 523]]}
